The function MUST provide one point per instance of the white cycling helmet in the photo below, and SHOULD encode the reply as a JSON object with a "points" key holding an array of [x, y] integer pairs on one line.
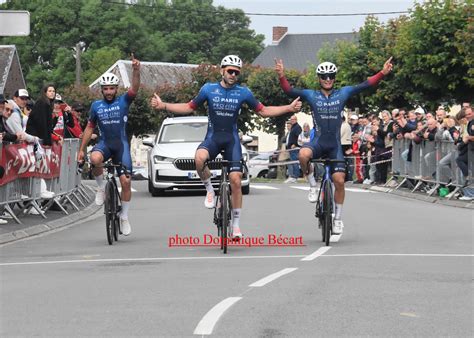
{"points": [[231, 60], [326, 68], [109, 79]]}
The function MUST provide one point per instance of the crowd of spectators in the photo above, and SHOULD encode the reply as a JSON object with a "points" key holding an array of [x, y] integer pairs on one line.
{"points": [[40, 122]]}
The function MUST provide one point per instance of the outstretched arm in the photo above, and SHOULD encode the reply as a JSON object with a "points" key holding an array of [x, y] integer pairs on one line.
{"points": [[177, 108], [272, 111]]}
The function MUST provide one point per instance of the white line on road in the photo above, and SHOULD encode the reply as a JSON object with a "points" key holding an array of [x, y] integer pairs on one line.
{"points": [[108, 260], [305, 258], [306, 188], [272, 277], [263, 187], [316, 254], [207, 323]]}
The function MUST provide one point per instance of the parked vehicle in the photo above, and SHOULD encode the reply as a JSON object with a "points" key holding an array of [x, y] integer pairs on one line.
{"points": [[171, 163]]}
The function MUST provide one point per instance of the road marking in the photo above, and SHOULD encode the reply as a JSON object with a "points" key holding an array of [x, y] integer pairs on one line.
{"points": [[108, 260], [263, 187], [409, 314], [306, 188], [316, 254], [207, 323], [305, 258], [272, 277]]}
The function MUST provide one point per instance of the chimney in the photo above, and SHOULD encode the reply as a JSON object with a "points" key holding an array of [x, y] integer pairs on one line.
{"points": [[278, 33]]}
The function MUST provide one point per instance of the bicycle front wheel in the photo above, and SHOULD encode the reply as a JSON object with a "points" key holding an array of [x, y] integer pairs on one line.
{"points": [[328, 206], [109, 206], [225, 216]]}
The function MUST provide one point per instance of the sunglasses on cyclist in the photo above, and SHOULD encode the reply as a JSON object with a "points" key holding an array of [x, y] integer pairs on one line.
{"points": [[331, 76], [233, 72]]}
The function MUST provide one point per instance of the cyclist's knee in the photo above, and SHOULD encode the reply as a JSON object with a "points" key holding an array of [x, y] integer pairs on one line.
{"points": [[338, 180], [235, 180], [305, 154], [96, 158]]}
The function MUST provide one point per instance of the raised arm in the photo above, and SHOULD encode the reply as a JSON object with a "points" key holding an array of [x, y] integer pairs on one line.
{"points": [[135, 74]]}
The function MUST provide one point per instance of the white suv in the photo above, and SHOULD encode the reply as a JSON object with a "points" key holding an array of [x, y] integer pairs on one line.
{"points": [[171, 163]]}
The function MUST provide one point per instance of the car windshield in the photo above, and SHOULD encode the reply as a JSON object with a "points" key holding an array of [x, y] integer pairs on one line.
{"points": [[183, 132]]}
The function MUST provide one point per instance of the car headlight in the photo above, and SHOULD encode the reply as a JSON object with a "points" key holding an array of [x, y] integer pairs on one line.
{"points": [[158, 158]]}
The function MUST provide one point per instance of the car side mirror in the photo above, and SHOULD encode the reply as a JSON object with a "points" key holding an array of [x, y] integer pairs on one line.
{"points": [[148, 142], [246, 139]]}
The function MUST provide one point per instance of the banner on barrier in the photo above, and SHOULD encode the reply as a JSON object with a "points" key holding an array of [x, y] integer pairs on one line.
{"points": [[19, 161]]}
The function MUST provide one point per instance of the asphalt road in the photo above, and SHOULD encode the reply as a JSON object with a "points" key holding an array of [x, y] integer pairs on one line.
{"points": [[402, 268]]}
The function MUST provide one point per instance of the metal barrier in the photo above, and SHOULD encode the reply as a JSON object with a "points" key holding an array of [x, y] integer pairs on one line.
{"points": [[432, 164], [26, 193]]}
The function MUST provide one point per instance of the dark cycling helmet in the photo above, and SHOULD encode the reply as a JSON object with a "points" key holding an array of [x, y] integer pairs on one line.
{"points": [[231, 60], [109, 79], [326, 68]]}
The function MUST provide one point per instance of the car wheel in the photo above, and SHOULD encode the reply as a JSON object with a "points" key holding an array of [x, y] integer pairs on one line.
{"points": [[246, 189], [263, 173], [150, 186]]}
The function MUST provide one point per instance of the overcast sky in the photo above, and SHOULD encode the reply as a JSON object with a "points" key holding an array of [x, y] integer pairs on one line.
{"points": [[263, 24]]}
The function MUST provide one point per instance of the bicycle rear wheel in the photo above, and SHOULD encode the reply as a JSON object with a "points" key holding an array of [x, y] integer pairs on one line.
{"points": [[328, 205], [109, 206], [225, 216]]}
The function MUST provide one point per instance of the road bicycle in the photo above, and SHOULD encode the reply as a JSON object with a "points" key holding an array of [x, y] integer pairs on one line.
{"points": [[325, 205], [223, 208], [112, 202]]}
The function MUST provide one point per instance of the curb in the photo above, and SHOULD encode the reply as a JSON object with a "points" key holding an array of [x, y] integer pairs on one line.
{"points": [[49, 226], [425, 198]]}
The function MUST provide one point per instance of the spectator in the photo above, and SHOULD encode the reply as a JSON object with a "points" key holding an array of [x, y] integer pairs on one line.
{"points": [[429, 136], [40, 122], [346, 143], [440, 114], [5, 112], [20, 99], [463, 139], [14, 124], [354, 122], [305, 136], [420, 114], [75, 131], [62, 119], [445, 133], [356, 143], [292, 143], [385, 132]]}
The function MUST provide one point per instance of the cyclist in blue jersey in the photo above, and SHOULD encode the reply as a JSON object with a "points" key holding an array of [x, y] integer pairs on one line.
{"points": [[224, 99], [327, 105], [111, 114]]}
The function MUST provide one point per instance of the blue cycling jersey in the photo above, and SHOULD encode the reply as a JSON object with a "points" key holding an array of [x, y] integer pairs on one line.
{"points": [[224, 106], [111, 118], [328, 111], [327, 117]]}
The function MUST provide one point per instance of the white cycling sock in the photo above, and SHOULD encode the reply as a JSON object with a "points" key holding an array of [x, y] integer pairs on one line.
{"points": [[100, 181], [208, 185], [312, 181], [236, 217], [338, 211], [124, 212]]}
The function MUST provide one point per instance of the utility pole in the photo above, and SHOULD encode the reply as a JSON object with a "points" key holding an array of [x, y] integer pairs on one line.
{"points": [[78, 63]]}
